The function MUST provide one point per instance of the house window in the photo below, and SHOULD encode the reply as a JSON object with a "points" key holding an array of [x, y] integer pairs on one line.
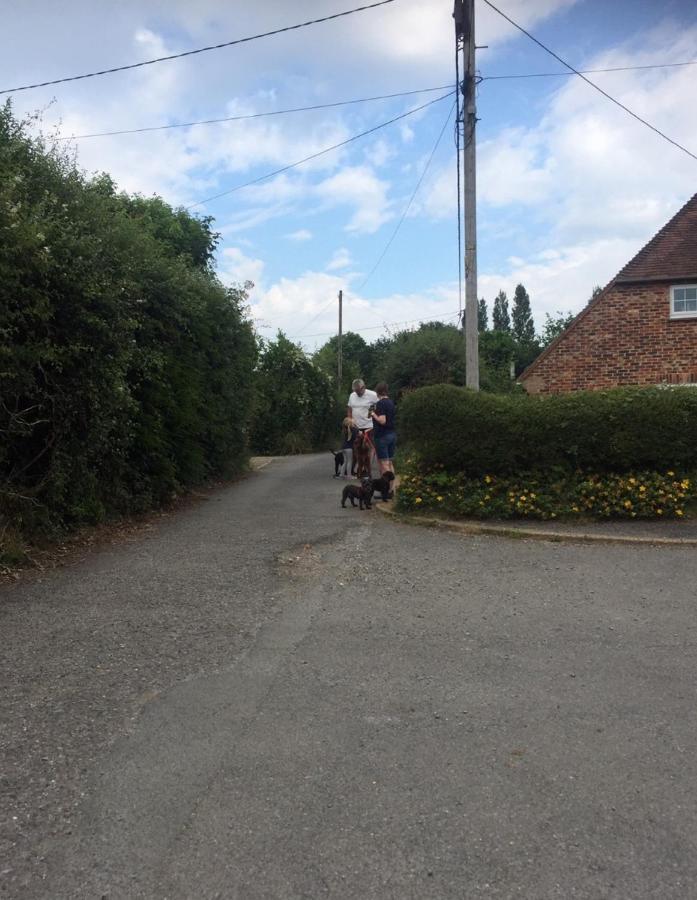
{"points": [[683, 301]]}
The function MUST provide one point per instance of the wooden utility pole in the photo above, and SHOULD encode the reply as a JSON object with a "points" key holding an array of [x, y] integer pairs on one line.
{"points": [[465, 45], [338, 346]]}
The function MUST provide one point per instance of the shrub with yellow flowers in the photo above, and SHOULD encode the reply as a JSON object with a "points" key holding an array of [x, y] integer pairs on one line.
{"points": [[553, 494]]}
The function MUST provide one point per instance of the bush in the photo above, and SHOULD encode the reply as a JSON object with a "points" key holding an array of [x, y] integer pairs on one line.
{"points": [[548, 495], [126, 367], [618, 430], [295, 408]]}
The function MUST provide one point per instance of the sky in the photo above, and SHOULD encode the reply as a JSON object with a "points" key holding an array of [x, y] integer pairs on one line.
{"points": [[569, 186]]}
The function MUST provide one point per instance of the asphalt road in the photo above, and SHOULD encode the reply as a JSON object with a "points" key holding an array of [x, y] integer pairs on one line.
{"points": [[271, 697]]}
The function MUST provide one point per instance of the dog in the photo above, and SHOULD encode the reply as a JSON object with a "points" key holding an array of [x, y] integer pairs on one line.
{"points": [[338, 461], [383, 486], [362, 492], [362, 450]]}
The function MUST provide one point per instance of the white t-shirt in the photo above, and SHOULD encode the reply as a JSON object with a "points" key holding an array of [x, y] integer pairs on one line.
{"points": [[359, 408]]}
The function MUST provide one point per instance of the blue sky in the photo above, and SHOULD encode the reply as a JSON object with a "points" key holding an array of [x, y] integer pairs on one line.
{"points": [[570, 187]]}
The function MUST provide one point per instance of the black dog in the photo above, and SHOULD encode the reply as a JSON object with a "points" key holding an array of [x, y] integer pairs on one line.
{"points": [[362, 492], [338, 461], [383, 486]]}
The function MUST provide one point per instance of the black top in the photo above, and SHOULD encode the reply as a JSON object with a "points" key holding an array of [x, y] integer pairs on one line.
{"points": [[384, 407]]}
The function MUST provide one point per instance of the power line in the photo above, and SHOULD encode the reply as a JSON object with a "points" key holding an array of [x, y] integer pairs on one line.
{"points": [[261, 115], [150, 62], [384, 325], [692, 62], [305, 159], [592, 83], [314, 318], [411, 200]]}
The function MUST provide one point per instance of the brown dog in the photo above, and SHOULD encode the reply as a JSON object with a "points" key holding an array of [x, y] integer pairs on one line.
{"points": [[362, 450], [383, 486], [362, 492]]}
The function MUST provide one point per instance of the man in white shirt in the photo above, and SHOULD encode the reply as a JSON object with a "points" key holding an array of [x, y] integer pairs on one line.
{"points": [[359, 403]]}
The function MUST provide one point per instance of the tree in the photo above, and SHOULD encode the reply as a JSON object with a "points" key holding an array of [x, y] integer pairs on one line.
{"points": [[554, 326], [523, 325], [295, 406], [501, 318], [433, 354], [355, 361], [482, 315]]}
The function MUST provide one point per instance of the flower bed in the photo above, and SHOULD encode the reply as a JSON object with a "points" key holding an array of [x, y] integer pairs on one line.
{"points": [[555, 494]]}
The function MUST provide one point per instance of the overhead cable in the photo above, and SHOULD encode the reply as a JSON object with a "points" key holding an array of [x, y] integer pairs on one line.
{"points": [[150, 62], [305, 159], [411, 199], [384, 325], [691, 62], [260, 115], [592, 83]]}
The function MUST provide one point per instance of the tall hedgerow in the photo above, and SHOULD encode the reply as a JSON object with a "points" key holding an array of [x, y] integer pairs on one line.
{"points": [[126, 367], [295, 403]]}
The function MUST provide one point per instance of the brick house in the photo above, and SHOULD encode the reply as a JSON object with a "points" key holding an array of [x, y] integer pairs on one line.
{"points": [[641, 329]]}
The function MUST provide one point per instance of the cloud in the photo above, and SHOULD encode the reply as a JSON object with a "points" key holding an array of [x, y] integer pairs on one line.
{"points": [[340, 260], [235, 267], [305, 309], [302, 234], [359, 187]]}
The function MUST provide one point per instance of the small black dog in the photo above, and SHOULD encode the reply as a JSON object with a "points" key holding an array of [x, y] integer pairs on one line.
{"points": [[362, 492], [383, 486], [338, 461]]}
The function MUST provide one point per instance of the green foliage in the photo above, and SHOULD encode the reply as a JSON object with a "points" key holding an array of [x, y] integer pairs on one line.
{"points": [[604, 431], [125, 366], [356, 361], [554, 326], [433, 354], [295, 407], [482, 315], [523, 325], [501, 317], [547, 495]]}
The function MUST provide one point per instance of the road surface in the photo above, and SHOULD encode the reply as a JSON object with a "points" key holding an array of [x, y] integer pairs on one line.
{"points": [[268, 696]]}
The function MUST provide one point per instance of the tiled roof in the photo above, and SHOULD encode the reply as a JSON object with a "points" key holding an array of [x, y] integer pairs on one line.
{"points": [[671, 254]]}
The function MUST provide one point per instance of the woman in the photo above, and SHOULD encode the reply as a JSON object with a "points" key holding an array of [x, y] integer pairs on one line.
{"points": [[383, 429]]}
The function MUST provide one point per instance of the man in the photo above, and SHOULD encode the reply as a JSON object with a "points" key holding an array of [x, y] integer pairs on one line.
{"points": [[359, 403]]}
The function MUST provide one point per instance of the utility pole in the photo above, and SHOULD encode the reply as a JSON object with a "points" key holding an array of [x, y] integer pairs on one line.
{"points": [[465, 45], [338, 346]]}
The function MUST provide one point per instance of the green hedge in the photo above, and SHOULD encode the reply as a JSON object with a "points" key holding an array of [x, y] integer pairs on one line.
{"points": [[618, 430], [126, 367]]}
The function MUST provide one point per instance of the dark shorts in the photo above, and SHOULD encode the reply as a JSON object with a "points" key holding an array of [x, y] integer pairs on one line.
{"points": [[385, 445]]}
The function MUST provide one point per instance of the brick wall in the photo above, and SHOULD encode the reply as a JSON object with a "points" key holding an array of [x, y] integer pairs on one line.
{"points": [[626, 337]]}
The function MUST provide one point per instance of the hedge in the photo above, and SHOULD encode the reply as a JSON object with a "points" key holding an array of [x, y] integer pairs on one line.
{"points": [[126, 367], [619, 430]]}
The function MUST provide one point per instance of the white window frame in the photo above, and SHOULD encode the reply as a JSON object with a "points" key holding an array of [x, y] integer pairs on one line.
{"points": [[689, 314]]}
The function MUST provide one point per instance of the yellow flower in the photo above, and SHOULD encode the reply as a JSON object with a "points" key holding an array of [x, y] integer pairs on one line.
{"points": [[487, 478], [574, 509], [628, 504], [678, 512], [633, 480], [685, 483], [642, 488], [418, 500], [659, 512], [532, 496], [523, 498], [439, 498], [671, 474], [487, 496]]}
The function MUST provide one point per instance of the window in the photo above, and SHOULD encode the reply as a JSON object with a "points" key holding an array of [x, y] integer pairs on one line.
{"points": [[683, 301]]}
